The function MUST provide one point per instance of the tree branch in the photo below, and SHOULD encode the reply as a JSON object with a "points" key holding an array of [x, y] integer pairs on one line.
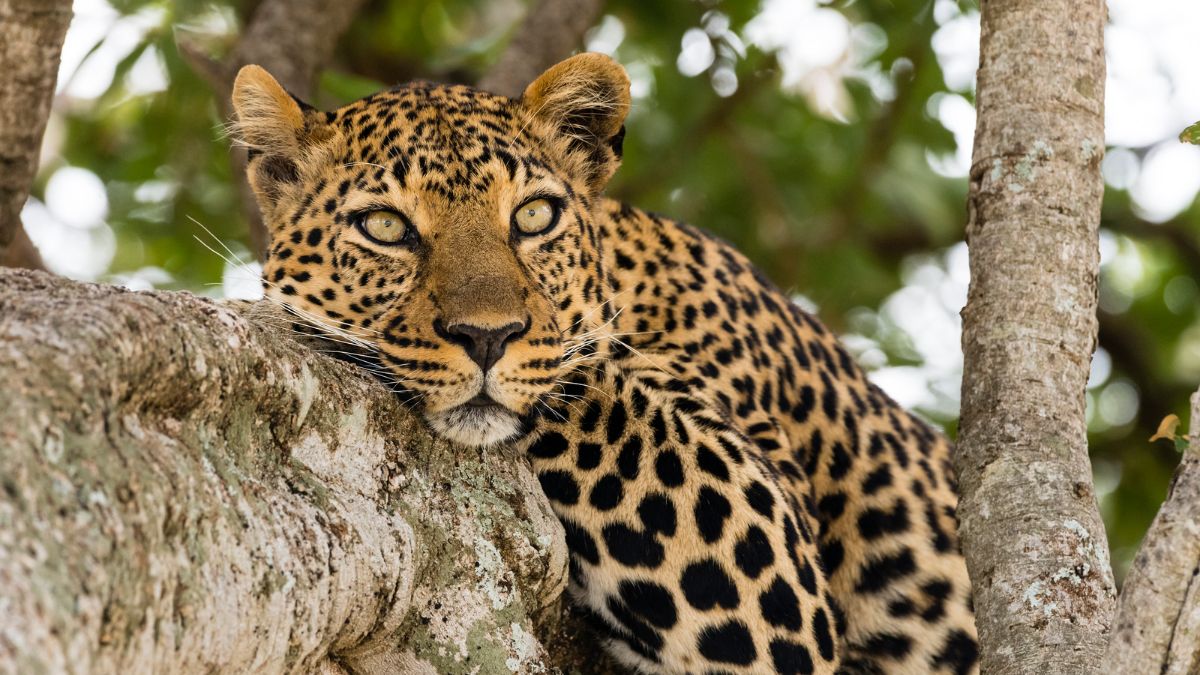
{"points": [[293, 39], [186, 489], [1155, 630], [550, 32], [31, 37]]}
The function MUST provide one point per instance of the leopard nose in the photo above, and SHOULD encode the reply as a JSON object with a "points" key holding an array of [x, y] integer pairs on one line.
{"points": [[485, 346]]}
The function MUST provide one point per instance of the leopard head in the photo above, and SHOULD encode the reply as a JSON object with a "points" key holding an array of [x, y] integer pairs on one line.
{"points": [[449, 230]]}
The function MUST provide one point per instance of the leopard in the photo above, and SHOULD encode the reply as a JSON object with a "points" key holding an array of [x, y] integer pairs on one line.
{"points": [[735, 493]]}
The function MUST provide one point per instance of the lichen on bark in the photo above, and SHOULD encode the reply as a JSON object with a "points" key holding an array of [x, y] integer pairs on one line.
{"points": [[184, 488]]}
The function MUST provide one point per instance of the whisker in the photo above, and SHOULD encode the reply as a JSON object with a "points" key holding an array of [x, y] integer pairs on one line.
{"points": [[647, 359], [321, 325]]}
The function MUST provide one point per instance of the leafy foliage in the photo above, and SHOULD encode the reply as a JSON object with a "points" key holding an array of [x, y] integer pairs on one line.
{"points": [[1191, 134]]}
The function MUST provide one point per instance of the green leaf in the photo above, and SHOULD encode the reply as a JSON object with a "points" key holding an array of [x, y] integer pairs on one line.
{"points": [[1191, 134]]}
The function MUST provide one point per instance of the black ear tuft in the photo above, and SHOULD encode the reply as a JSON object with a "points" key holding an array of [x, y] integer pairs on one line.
{"points": [[617, 143], [278, 169]]}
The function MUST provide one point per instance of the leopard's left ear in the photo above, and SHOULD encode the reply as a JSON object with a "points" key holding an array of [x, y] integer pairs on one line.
{"points": [[585, 98]]}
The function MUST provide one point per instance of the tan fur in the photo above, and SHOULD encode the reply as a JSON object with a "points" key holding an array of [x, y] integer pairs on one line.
{"points": [[268, 118], [585, 99], [587, 81]]}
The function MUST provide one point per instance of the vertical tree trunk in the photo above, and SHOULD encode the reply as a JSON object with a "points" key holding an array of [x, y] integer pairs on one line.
{"points": [[1034, 542], [21, 253], [31, 37]]}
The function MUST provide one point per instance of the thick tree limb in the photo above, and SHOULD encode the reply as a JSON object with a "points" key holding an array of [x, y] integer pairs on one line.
{"points": [[550, 32], [1031, 531], [182, 490], [294, 40], [31, 38], [1157, 626]]}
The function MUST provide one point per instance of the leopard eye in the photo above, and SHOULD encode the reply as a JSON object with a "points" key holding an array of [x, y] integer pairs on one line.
{"points": [[535, 216], [385, 227]]}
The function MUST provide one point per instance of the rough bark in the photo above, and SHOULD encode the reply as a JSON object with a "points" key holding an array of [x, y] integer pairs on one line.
{"points": [[550, 32], [294, 40], [1157, 625], [31, 37], [1034, 542], [187, 490]]}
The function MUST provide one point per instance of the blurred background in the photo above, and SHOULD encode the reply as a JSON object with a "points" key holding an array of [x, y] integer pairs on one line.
{"points": [[828, 140]]}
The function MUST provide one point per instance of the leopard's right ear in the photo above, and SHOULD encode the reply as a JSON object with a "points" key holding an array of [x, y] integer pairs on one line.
{"points": [[275, 126], [584, 99]]}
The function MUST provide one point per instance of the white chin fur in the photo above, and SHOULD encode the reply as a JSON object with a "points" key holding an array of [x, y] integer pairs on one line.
{"points": [[475, 427]]}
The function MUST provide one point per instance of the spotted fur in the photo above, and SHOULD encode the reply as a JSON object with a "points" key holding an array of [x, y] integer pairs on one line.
{"points": [[737, 496]]}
